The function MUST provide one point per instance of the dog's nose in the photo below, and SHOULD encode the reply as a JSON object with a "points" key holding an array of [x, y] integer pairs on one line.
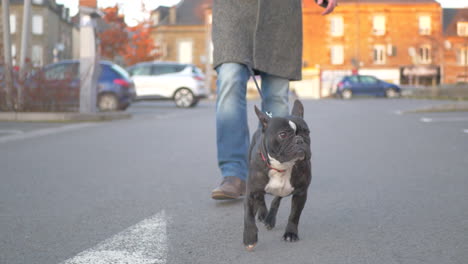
{"points": [[299, 140]]}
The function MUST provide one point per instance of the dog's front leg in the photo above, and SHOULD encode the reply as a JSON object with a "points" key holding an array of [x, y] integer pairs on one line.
{"points": [[270, 220], [250, 228], [297, 204]]}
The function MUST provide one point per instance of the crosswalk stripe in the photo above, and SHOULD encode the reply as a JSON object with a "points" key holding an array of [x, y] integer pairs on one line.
{"points": [[143, 243]]}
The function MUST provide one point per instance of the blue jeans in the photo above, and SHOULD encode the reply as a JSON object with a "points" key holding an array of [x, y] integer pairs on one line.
{"points": [[232, 129]]}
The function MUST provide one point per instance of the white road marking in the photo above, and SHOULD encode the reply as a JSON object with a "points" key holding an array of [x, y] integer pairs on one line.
{"points": [[143, 243], [44, 132], [466, 131], [398, 112], [10, 131], [444, 119]]}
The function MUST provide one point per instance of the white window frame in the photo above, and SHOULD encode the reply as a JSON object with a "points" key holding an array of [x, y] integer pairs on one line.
{"points": [[462, 29], [425, 54], [337, 54], [37, 55], [336, 26], [380, 54], [462, 56], [37, 25], [185, 51], [425, 25], [379, 25], [12, 23]]}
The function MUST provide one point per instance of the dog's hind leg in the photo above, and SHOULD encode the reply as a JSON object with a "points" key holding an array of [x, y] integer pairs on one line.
{"points": [[297, 204], [270, 220]]}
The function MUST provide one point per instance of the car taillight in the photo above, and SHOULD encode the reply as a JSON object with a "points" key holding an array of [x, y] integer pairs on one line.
{"points": [[340, 85], [122, 83], [198, 78]]}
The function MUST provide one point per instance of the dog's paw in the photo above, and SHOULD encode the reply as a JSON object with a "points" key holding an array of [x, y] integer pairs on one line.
{"points": [[290, 237], [262, 216], [250, 239], [270, 222]]}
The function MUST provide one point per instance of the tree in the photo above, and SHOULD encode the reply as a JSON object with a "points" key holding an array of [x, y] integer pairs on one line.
{"points": [[141, 46], [114, 40]]}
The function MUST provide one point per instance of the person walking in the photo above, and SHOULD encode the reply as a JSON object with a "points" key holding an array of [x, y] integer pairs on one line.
{"points": [[264, 36]]}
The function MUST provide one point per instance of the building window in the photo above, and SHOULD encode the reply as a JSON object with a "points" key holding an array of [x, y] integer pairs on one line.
{"points": [[462, 56], [12, 24], [462, 29], [37, 55], [378, 25], [425, 54], [209, 19], [185, 51], [37, 25], [336, 26], [38, 2], [380, 54], [13, 54], [337, 54], [424, 25]]}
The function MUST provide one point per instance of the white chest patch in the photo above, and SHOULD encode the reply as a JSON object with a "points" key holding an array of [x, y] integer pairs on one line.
{"points": [[280, 182]]}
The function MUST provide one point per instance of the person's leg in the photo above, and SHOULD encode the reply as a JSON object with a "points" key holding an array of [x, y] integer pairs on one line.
{"points": [[275, 95], [232, 132]]}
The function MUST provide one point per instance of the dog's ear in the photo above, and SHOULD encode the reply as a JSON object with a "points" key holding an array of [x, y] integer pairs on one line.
{"points": [[262, 117], [298, 109]]}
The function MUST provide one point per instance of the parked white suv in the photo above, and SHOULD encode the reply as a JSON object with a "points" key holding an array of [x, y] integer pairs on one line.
{"points": [[183, 83]]}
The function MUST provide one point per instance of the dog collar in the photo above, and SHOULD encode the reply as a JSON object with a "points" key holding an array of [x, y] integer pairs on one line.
{"points": [[268, 164]]}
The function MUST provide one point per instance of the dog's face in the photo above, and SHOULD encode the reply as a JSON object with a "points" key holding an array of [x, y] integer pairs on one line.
{"points": [[286, 139]]}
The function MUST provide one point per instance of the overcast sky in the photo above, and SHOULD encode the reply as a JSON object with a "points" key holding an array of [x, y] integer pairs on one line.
{"points": [[132, 9]]}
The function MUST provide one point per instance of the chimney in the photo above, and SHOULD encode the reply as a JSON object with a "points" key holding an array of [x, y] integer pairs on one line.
{"points": [[89, 3]]}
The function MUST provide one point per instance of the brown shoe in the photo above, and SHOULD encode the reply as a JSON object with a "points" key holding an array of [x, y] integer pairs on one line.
{"points": [[231, 188]]}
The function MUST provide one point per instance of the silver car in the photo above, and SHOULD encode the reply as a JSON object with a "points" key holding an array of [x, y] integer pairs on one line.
{"points": [[183, 83]]}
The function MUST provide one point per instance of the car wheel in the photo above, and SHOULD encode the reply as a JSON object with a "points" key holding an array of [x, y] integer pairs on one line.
{"points": [[108, 102], [184, 98], [346, 94], [391, 93]]}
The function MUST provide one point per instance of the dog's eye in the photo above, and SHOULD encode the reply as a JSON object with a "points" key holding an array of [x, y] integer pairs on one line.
{"points": [[283, 135]]}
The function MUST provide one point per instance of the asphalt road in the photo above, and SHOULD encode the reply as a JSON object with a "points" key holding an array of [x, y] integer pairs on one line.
{"points": [[387, 188]]}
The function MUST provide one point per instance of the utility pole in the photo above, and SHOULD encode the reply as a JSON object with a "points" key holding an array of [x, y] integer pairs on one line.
{"points": [[25, 35], [7, 52]]}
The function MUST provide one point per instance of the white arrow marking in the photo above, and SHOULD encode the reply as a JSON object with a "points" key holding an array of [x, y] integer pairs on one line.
{"points": [[43, 132], [143, 243]]}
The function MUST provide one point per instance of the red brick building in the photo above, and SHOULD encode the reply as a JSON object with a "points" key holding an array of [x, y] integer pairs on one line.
{"points": [[395, 40], [455, 64]]}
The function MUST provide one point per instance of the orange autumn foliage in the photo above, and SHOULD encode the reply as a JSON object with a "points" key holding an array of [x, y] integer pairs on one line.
{"points": [[140, 46], [114, 39]]}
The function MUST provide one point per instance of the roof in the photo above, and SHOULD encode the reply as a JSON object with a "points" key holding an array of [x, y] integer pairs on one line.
{"points": [[188, 12], [450, 17], [52, 4]]}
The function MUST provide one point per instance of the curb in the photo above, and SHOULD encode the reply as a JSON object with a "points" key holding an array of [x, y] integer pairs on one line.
{"points": [[62, 117]]}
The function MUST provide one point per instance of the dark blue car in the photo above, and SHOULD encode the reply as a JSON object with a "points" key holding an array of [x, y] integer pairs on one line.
{"points": [[356, 85], [116, 90]]}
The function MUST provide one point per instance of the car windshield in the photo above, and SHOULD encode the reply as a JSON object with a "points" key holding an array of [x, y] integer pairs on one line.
{"points": [[120, 70]]}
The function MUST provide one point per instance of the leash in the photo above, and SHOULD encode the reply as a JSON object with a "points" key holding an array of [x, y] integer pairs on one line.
{"points": [[252, 74]]}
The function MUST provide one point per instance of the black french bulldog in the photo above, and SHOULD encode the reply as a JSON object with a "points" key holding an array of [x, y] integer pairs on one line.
{"points": [[279, 164]]}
